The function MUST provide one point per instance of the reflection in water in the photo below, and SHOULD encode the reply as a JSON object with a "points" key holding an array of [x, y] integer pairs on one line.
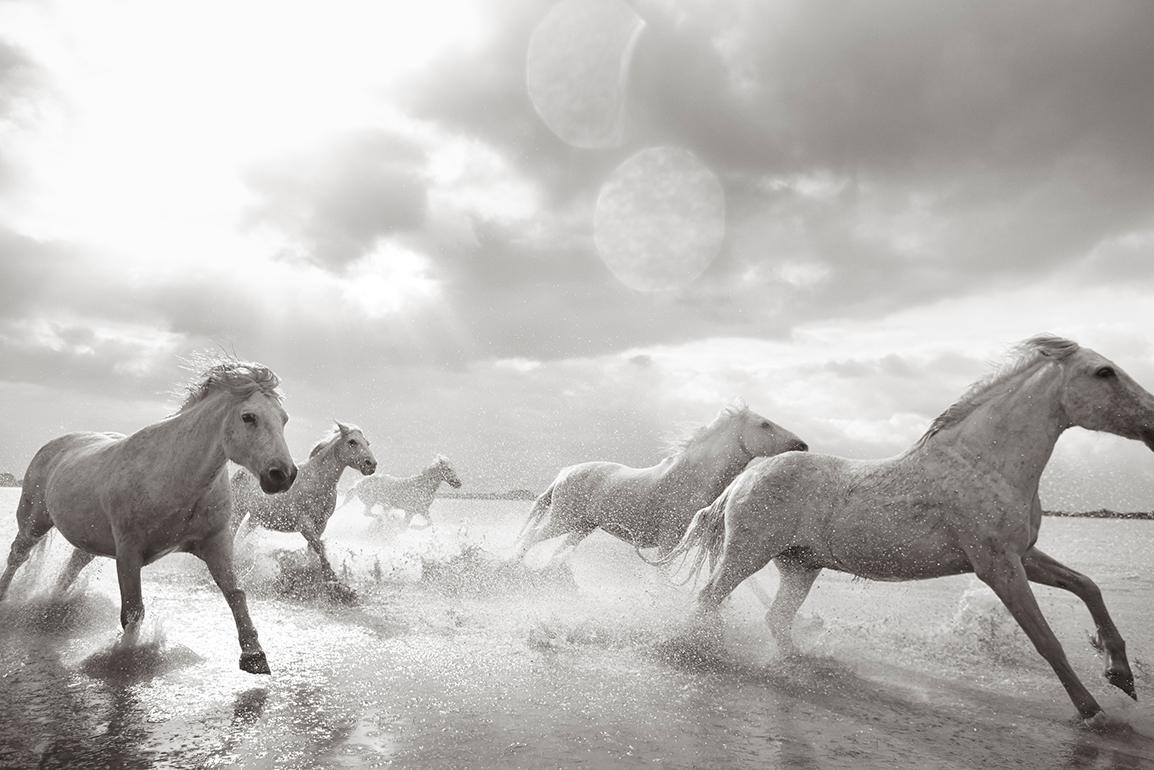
{"points": [[249, 705]]}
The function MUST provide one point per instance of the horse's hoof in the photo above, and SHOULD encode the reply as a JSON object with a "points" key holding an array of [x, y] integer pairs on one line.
{"points": [[339, 592], [1123, 680], [1096, 722], [254, 663]]}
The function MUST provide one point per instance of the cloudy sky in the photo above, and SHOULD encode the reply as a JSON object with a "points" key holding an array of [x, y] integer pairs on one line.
{"points": [[528, 233]]}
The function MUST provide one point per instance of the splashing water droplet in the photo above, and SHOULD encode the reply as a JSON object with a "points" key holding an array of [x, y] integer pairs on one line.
{"points": [[660, 219], [577, 70]]}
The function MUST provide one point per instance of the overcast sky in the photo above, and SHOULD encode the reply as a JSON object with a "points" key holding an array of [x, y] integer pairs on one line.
{"points": [[526, 234]]}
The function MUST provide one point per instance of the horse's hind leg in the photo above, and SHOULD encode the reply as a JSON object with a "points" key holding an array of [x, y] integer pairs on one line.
{"points": [[554, 527], [796, 580], [318, 547], [1044, 569], [79, 560], [216, 552], [561, 555], [740, 558], [34, 523]]}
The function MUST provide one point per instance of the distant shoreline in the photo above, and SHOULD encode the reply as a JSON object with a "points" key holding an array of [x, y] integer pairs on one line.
{"points": [[1102, 513], [523, 494], [528, 496]]}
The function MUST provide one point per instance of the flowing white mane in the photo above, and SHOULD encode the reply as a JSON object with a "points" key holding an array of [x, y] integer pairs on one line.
{"points": [[678, 446], [240, 378], [1024, 356], [329, 437]]}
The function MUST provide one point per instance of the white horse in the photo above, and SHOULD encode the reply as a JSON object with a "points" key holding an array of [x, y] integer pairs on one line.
{"points": [[308, 506], [963, 499], [651, 507], [162, 489], [412, 494]]}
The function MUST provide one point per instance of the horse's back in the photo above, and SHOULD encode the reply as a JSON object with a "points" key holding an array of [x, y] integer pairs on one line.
{"points": [[610, 495], [881, 519]]}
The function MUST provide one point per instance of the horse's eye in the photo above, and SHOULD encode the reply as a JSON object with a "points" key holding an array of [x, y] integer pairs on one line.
{"points": [[1105, 372], [352, 442], [249, 418], [765, 424]]}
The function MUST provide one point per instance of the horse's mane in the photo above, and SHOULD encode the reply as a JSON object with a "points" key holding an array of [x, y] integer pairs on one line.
{"points": [[328, 438], [1023, 356], [678, 445], [240, 378]]}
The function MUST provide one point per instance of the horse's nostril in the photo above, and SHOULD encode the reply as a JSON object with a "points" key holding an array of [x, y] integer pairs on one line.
{"points": [[802, 446]]}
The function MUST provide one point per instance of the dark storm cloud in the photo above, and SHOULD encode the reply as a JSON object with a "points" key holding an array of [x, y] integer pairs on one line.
{"points": [[335, 203]]}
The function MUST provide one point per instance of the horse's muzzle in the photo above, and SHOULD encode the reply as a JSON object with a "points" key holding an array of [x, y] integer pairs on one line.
{"points": [[1148, 438], [278, 478], [800, 446], [368, 468], [455, 483]]}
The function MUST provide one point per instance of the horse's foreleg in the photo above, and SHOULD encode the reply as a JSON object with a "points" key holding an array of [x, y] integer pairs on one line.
{"points": [[1006, 575], [216, 553], [78, 561], [318, 547], [796, 580], [128, 564], [1044, 569]]}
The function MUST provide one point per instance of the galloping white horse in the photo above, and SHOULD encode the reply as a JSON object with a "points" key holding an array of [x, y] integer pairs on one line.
{"points": [[650, 507], [412, 494], [308, 506], [162, 489], [963, 499]]}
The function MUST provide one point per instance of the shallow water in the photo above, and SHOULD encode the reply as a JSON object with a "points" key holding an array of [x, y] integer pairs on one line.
{"points": [[447, 659]]}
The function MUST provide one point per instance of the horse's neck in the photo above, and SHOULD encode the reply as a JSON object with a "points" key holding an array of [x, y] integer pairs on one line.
{"points": [[187, 448], [1013, 434], [324, 468], [709, 464], [429, 479]]}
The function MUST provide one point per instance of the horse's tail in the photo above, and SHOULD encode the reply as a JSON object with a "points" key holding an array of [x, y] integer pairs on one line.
{"points": [[537, 513], [706, 533]]}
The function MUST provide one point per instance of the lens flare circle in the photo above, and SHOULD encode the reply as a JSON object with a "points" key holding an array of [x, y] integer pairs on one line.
{"points": [[577, 70], [660, 219]]}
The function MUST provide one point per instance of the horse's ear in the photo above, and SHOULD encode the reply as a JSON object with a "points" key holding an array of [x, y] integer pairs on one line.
{"points": [[344, 429]]}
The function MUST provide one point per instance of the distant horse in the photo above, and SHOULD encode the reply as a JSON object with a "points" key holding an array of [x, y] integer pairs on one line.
{"points": [[963, 499], [308, 506], [160, 490], [413, 494], [651, 507]]}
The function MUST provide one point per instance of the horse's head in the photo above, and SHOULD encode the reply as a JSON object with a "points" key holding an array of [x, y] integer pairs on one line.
{"points": [[448, 475], [254, 438], [761, 437], [353, 450], [1097, 395]]}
